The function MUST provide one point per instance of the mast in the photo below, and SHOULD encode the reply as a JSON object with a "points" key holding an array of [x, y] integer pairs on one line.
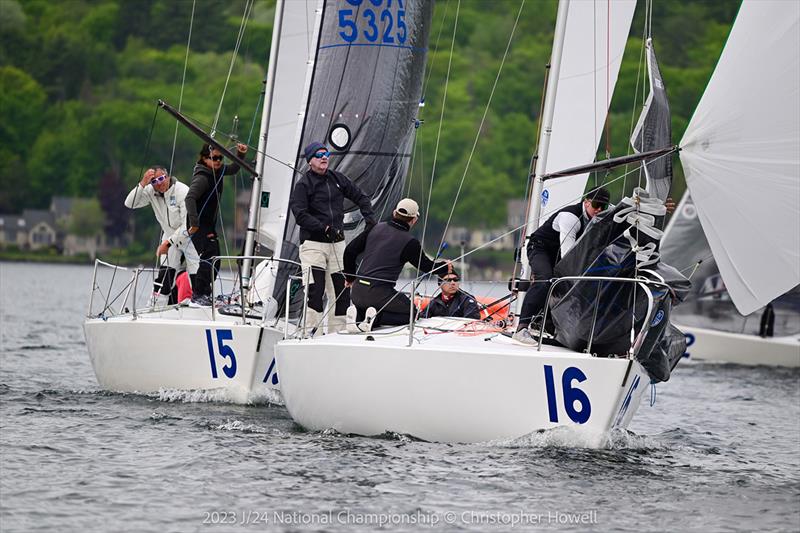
{"points": [[535, 201], [255, 196]]}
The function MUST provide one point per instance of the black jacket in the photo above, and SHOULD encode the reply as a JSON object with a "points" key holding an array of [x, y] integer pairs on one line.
{"points": [[462, 305], [317, 201], [387, 247], [203, 198]]}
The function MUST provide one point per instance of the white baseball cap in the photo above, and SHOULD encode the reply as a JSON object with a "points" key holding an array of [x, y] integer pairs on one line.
{"points": [[407, 207]]}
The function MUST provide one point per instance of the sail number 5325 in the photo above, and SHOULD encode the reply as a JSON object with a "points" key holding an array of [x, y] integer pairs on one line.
{"points": [[225, 352], [384, 26], [576, 403]]}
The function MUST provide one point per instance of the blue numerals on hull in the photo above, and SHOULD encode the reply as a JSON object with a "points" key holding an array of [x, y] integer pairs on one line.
{"points": [[377, 26], [571, 395], [690, 338], [225, 352]]}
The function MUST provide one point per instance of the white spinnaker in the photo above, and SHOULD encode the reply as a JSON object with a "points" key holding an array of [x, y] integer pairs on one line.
{"points": [[585, 87], [297, 51], [741, 155]]}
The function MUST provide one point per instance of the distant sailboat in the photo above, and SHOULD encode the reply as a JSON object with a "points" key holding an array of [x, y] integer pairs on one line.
{"points": [[715, 330], [741, 157]]}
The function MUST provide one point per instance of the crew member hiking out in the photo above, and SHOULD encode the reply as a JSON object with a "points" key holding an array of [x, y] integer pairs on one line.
{"points": [[386, 248], [317, 203], [202, 206]]}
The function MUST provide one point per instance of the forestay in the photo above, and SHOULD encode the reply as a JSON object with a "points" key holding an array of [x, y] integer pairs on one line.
{"points": [[741, 155]]}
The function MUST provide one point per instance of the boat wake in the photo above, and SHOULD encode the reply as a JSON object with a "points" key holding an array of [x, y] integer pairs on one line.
{"points": [[569, 437], [227, 395]]}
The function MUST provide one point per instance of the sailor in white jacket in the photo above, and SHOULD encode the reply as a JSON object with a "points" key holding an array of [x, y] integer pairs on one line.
{"points": [[167, 197]]}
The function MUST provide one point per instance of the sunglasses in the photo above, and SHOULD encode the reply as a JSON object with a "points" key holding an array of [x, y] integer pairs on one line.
{"points": [[322, 154], [450, 280], [159, 179], [598, 205], [215, 157]]}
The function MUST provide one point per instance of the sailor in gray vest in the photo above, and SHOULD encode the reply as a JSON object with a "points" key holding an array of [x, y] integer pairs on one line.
{"points": [[386, 248], [317, 203], [547, 245]]}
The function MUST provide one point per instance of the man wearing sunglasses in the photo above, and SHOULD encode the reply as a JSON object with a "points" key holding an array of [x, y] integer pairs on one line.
{"points": [[317, 203], [547, 245], [167, 196], [452, 301]]}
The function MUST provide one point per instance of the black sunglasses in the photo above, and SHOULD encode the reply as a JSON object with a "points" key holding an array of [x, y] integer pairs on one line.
{"points": [[448, 280], [215, 157], [598, 205]]}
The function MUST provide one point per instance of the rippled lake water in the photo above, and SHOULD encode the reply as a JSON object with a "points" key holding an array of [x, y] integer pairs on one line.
{"points": [[719, 451]]}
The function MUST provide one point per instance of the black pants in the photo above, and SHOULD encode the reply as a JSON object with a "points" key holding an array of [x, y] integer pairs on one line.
{"points": [[207, 246], [165, 283], [542, 260], [393, 307]]}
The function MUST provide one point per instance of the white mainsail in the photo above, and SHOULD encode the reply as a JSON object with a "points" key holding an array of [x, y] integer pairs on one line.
{"points": [[589, 67], [297, 50], [298, 37], [741, 155]]}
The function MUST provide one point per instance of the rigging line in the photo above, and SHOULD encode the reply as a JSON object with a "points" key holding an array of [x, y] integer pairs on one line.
{"points": [[183, 84], [439, 133], [436, 49], [242, 26], [594, 74], [411, 168], [636, 92], [141, 172], [608, 79], [483, 120]]}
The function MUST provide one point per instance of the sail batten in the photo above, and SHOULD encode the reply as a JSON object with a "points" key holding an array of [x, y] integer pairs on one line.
{"points": [[741, 155]]}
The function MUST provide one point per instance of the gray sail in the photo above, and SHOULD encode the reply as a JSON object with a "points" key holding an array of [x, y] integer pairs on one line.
{"points": [[363, 101], [654, 131], [709, 304]]}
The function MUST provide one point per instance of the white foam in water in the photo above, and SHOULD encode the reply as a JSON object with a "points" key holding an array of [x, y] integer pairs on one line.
{"points": [[574, 437], [238, 425], [226, 395]]}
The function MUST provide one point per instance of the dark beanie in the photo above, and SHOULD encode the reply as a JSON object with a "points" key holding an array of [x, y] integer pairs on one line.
{"points": [[600, 195], [312, 149], [453, 273]]}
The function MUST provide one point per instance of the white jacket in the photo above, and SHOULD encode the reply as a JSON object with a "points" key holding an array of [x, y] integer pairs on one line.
{"points": [[170, 211]]}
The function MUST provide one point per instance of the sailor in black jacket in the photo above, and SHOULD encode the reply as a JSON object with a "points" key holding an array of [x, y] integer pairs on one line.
{"points": [[451, 300], [549, 243], [386, 248], [317, 203], [202, 205]]}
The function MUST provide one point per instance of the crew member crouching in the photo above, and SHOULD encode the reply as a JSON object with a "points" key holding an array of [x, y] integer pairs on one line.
{"points": [[386, 248]]}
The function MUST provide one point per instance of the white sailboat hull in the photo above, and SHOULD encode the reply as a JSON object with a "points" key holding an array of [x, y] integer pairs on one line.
{"points": [[721, 346], [183, 349], [449, 387]]}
